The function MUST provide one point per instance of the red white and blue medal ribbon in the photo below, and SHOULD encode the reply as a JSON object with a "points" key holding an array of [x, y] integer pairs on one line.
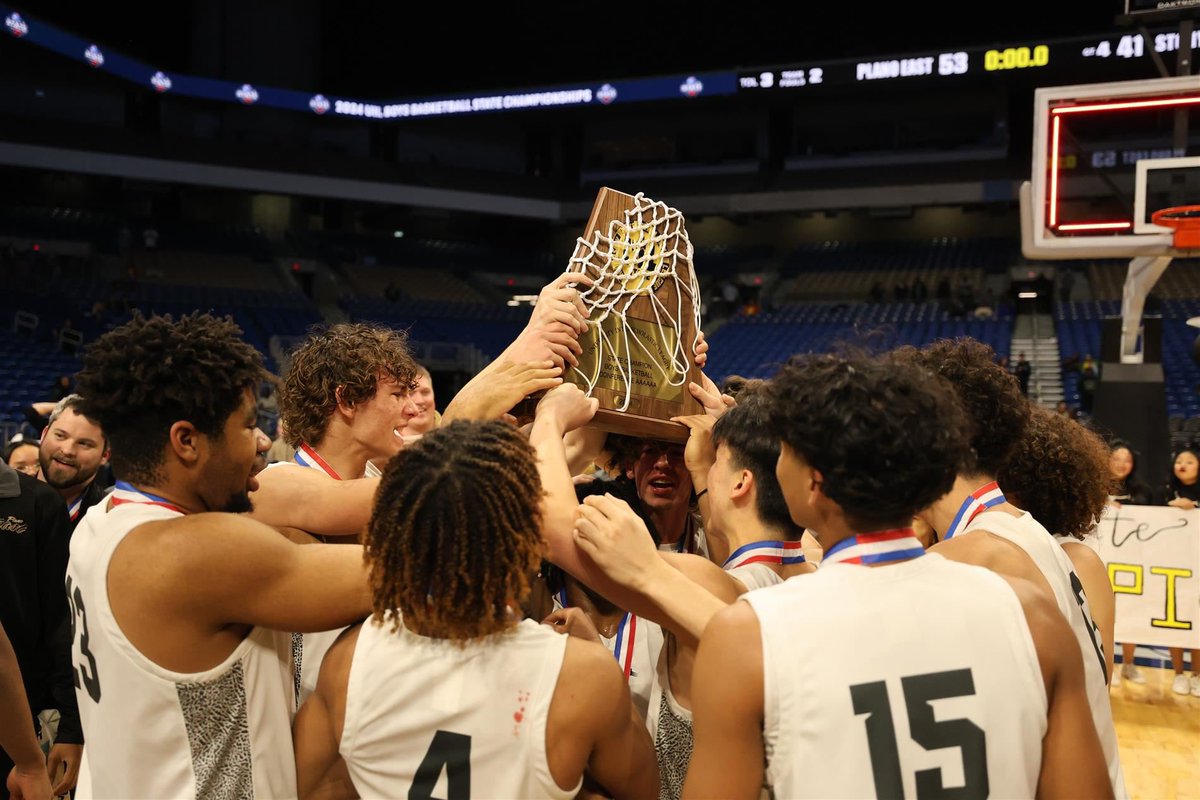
{"points": [[75, 505], [307, 457], [766, 552], [125, 492], [623, 644], [875, 548], [975, 504]]}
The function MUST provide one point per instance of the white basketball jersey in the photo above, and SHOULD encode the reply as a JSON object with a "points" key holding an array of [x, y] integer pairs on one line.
{"points": [[430, 718], [152, 732], [899, 680], [1055, 565], [308, 649]]}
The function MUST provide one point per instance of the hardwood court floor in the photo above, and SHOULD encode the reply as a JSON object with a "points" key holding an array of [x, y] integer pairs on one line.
{"points": [[1158, 733]]}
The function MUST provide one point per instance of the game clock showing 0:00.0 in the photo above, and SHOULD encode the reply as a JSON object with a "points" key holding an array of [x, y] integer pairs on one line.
{"points": [[1016, 58]]}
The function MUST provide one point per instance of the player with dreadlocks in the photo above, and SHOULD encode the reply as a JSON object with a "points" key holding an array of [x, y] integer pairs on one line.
{"points": [[446, 677], [176, 603]]}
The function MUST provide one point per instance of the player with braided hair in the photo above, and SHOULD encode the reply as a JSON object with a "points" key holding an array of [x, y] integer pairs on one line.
{"points": [[176, 604], [446, 677]]}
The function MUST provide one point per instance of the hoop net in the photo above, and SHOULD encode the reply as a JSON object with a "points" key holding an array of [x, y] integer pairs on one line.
{"points": [[632, 260]]}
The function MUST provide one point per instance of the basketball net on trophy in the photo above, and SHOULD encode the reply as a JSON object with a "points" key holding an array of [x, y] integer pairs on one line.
{"points": [[638, 351]]}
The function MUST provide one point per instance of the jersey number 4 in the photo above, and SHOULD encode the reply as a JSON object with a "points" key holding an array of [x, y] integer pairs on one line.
{"points": [[932, 734], [450, 752]]}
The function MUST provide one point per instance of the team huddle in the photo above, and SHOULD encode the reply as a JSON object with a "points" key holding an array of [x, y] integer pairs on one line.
{"points": [[539, 610]]}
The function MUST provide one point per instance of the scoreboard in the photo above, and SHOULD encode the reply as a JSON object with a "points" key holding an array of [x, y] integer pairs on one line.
{"points": [[1049, 59]]}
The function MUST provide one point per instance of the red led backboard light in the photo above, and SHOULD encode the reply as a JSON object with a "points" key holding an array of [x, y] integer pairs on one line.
{"points": [[1059, 119]]}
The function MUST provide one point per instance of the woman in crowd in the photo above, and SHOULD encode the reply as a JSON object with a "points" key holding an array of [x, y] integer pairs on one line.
{"points": [[1183, 491], [1128, 489]]}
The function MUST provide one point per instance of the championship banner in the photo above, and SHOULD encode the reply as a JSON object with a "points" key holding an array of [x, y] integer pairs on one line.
{"points": [[1153, 559]]}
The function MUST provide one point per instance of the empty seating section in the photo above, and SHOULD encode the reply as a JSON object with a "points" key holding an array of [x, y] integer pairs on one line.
{"points": [[856, 284], [489, 327], [371, 280], [209, 269], [1180, 282], [28, 371], [756, 346]]}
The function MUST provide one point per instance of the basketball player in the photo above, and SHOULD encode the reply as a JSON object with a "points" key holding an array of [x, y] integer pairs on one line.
{"points": [[1060, 474], [310, 500], [768, 688], [444, 678], [184, 685], [746, 503], [28, 777], [72, 452], [977, 525], [425, 417]]}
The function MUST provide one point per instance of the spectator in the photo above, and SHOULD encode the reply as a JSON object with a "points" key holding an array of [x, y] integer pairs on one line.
{"points": [[280, 450], [1128, 489], [900, 290], [63, 386], [1089, 381], [268, 408], [943, 288], [878, 294], [1067, 282], [1183, 491], [1023, 370], [22, 455], [919, 290]]}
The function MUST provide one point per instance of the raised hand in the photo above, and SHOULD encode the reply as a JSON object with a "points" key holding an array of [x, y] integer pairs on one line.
{"points": [[499, 387], [701, 350], [558, 318], [560, 302], [699, 454], [715, 404], [567, 406]]}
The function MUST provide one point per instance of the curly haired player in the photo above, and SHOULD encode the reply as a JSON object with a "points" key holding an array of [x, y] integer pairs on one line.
{"points": [[1060, 474], [176, 602], [865, 444], [979, 526]]}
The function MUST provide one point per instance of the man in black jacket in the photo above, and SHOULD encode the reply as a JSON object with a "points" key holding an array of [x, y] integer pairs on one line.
{"points": [[34, 529]]}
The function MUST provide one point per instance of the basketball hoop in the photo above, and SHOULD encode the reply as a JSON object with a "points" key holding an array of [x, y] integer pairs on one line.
{"points": [[1186, 222]]}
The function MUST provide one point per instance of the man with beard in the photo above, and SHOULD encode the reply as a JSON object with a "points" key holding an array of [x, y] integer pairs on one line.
{"points": [[183, 676], [72, 452]]}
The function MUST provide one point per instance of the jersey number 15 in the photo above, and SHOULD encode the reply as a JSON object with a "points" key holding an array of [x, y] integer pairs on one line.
{"points": [[932, 734]]}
